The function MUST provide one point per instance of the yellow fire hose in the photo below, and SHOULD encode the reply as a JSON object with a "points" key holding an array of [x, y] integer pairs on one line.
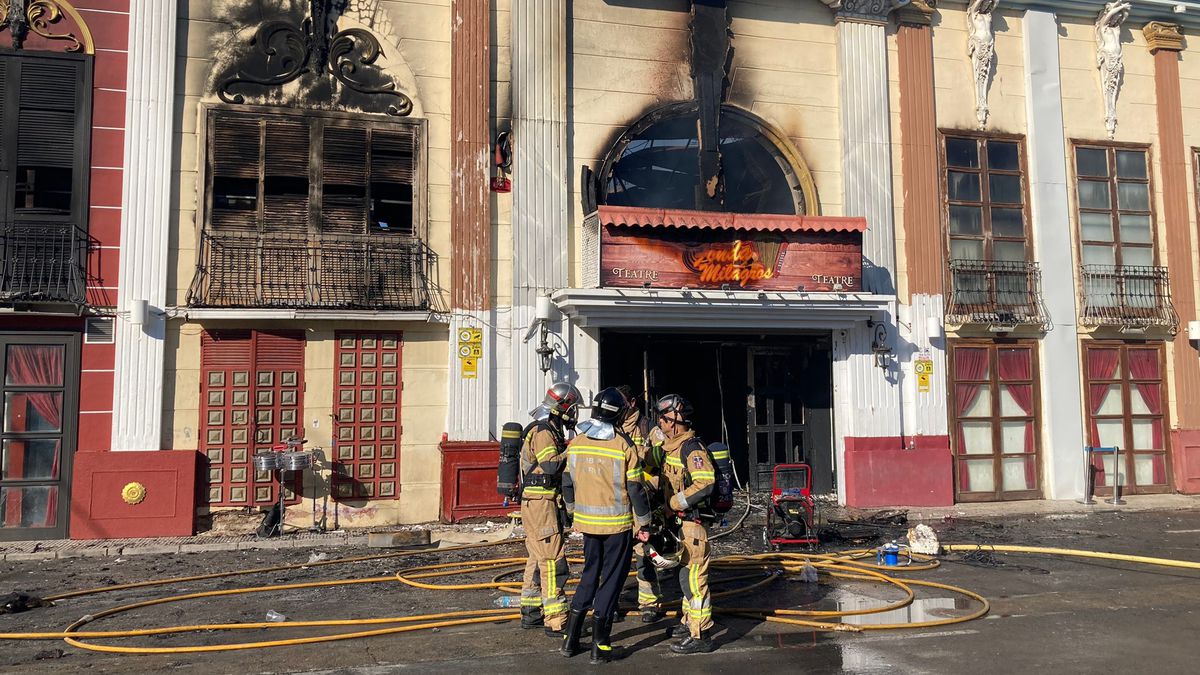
{"points": [[760, 570]]}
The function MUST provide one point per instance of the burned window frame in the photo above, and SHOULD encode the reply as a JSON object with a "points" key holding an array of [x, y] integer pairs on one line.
{"points": [[318, 122]]}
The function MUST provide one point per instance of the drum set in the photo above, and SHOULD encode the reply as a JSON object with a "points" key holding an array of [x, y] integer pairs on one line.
{"points": [[281, 459]]}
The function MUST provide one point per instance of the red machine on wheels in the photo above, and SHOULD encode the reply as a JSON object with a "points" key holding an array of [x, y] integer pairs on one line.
{"points": [[792, 513]]}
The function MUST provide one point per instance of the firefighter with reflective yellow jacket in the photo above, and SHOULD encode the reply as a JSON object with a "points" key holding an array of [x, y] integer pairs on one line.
{"points": [[648, 441], [543, 600], [602, 489], [688, 478]]}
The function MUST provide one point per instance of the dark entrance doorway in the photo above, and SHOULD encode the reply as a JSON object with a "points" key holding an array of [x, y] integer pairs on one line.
{"points": [[769, 397]]}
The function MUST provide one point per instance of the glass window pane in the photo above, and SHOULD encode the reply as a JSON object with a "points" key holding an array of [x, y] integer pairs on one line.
{"points": [[28, 506], [1135, 229], [34, 365], [1147, 434], [970, 363], [1008, 222], [1131, 164], [1110, 433], [1011, 405], [977, 399], [1099, 255], [1016, 437], [29, 459], [1008, 250], [1018, 473], [1005, 189], [1003, 156], [975, 475], [1137, 255], [963, 186], [966, 249], [977, 437], [966, 220], [30, 411], [1133, 196], [1093, 194], [1096, 226], [1150, 469], [962, 152], [1091, 161], [1106, 399]]}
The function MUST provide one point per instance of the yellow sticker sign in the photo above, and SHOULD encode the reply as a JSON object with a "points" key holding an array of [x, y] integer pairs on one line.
{"points": [[470, 350], [923, 367], [470, 368]]}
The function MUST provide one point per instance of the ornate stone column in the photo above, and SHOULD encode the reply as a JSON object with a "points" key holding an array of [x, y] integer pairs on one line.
{"points": [[145, 215]]}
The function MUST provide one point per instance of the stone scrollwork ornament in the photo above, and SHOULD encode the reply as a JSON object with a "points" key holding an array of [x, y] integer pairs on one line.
{"points": [[872, 11], [981, 47], [1108, 58]]}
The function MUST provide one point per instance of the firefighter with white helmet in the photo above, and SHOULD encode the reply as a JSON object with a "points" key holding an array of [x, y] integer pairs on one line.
{"points": [[543, 600]]}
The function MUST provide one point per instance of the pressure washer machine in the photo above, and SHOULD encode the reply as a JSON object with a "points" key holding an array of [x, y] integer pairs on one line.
{"points": [[792, 513]]}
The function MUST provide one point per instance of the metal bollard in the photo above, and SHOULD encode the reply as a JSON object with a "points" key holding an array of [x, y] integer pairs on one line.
{"points": [[1116, 495], [1087, 476]]}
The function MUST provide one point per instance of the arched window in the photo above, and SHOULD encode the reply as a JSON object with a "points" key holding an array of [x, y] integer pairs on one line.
{"points": [[656, 163]]}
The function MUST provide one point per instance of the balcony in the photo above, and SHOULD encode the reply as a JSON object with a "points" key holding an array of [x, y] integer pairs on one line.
{"points": [[995, 293], [43, 263], [333, 272], [1127, 296]]}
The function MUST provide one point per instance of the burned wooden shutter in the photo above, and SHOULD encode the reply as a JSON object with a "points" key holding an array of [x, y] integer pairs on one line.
{"points": [[5, 126], [285, 176], [235, 151], [393, 175], [344, 174], [52, 144]]}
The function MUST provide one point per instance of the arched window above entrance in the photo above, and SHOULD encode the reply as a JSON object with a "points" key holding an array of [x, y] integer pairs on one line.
{"points": [[656, 163]]}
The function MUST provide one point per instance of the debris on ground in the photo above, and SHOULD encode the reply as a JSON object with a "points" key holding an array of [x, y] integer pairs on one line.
{"points": [[48, 654], [15, 603], [923, 540]]}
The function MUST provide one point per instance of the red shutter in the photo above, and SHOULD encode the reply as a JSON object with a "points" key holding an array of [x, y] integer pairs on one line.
{"points": [[367, 427], [251, 397]]}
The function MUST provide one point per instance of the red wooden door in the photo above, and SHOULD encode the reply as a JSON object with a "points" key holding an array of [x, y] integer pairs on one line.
{"points": [[252, 397], [367, 423]]}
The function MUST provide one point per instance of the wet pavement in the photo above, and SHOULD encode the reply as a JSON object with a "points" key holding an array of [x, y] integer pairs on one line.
{"points": [[1069, 615]]}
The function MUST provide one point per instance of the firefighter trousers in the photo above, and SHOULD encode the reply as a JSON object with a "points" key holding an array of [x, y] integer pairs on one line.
{"points": [[696, 613], [542, 590], [649, 590]]}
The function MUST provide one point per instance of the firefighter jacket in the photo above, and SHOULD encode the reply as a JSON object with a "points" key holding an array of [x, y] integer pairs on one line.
{"points": [[602, 485], [688, 472], [541, 463], [647, 440]]}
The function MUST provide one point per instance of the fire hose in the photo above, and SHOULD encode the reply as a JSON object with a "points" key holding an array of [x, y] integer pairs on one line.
{"points": [[759, 570]]}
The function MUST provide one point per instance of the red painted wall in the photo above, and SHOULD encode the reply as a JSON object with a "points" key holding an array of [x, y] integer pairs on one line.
{"points": [[99, 512], [881, 472]]}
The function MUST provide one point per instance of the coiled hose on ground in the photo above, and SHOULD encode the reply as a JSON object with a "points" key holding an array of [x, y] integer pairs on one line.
{"points": [[758, 571]]}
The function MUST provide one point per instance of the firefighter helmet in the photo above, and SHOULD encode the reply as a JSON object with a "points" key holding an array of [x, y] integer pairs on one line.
{"points": [[561, 401], [674, 403], [609, 406]]}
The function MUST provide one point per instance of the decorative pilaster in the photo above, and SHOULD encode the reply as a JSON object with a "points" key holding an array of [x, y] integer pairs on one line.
{"points": [[1109, 60], [1062, 401], [470, 382], [1163, 36], [145, 212], [865, 11], [541, 180], [981, 47]]}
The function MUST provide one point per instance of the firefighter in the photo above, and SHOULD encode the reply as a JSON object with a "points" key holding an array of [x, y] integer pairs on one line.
{"points": [[688, 478], [602, 490], [543, 601], [648, 441]]}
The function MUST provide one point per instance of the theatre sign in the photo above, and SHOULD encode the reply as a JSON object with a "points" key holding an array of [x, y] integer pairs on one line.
{"points": [[656, 248]]}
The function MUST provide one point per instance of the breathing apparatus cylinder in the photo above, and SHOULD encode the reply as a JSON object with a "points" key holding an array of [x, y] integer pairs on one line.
{"points": [[722, 496], [508, 477]]}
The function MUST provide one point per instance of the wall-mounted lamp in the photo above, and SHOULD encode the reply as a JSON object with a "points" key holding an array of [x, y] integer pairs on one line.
{"points": [[879, 345], [139, 310], [544, 313]]}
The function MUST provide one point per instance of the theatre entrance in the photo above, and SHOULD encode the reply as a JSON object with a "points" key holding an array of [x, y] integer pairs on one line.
{"points": [[768, 397]]}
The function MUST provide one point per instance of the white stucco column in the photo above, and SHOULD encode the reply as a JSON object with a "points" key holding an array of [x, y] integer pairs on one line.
{"points": [[1061, 395], [540, 179], [145, 221], [865, 118]]}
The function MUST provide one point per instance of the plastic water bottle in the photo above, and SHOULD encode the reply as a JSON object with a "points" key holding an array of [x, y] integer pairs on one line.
{"points": [[507, 601], [275, 617]]}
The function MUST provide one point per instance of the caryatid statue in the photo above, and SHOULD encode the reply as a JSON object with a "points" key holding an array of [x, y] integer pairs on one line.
{"points": [[1108, 58], [981, 47]]}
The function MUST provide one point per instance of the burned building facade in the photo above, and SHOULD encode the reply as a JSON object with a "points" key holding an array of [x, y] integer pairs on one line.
{"points": [[932, 249]]}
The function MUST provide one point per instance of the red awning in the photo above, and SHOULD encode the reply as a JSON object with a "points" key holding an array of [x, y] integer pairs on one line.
{"points": [[712, 220]]}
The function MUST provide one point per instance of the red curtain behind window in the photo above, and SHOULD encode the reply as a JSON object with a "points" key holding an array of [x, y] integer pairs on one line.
{"points": [[970, 363], [1143, 365], [1101, 365], [1017, 365], [39, 366]]}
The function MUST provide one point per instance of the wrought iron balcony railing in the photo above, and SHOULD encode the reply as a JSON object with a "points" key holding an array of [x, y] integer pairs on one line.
{"points": [[349, 272], [996, 293], [1129, 296], [43, 263]]}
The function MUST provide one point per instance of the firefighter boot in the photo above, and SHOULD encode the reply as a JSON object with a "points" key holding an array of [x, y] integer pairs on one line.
{"points": [[680, 631], [691, 645], [602, 650], [570, 646], [652, 614], [531, 617]]}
